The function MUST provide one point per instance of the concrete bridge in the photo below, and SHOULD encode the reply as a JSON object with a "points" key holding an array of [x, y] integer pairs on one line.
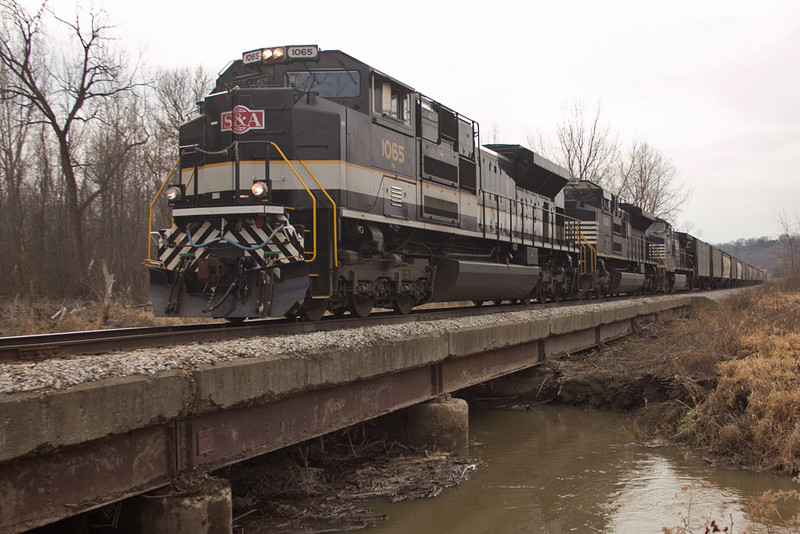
{"points": [[68, 451]]}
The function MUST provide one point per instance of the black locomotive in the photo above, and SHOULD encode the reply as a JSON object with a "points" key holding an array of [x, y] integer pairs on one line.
{"points": [[309, 182]]}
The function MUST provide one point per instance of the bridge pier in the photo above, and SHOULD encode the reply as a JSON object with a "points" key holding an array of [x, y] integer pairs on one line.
{"points": [[205, 508], [442, 422]]}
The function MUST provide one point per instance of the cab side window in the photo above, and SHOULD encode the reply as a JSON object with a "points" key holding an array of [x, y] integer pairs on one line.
{"points": [[391, 100]]}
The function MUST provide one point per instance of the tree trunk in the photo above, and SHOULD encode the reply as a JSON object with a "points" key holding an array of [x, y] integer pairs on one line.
{"points": [[74, 253]]}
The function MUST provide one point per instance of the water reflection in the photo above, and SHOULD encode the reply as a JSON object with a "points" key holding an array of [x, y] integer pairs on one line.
{"points": [[560, 470]]}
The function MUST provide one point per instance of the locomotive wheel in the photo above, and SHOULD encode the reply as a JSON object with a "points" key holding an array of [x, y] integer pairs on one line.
{"points": [[541, 296], [360, 306], [555, 295], [314, 309], [403, 304], [292, 312]]}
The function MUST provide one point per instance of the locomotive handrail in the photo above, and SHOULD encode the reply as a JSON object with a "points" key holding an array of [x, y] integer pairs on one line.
{"points": [[335, 240], [152, 204], [553, 222], [658, 252], [584, 243], [313, 199], [593, 254]]}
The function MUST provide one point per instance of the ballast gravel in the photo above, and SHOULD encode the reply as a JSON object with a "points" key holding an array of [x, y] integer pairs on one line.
{"points": [[18, 377]]}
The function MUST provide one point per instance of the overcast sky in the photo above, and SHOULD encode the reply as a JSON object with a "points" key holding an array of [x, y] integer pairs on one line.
{"points": [[713, 84]]}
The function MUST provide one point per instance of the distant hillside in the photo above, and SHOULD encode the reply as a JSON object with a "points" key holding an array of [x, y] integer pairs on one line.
{"points": [[759, 251]]}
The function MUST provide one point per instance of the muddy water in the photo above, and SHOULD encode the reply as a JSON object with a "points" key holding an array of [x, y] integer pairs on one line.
{"points": [[558, 470]]}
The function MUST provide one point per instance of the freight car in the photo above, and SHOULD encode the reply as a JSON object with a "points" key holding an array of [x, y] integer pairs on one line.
{"points": [[309, 181]]}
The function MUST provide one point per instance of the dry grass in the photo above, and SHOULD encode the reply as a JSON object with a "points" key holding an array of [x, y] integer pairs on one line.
{"points": [[778, 508], [739, 366], [19, 318]]}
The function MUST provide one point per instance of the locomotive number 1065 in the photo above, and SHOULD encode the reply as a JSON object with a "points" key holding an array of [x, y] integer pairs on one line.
{"points": [[393, 151], [302, 52]]}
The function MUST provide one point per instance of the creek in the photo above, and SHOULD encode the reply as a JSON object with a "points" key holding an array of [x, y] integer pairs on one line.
{"points": [[558, 469]]}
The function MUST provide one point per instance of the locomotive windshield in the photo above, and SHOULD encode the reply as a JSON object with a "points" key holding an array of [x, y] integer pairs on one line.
{"points": [[587, 196], [658, 228], [327, 83]]}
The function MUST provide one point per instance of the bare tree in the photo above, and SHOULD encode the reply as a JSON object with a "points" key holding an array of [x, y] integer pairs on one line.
{"points": [[177, 93], [113, 147], [648, 179], [14, 162], [494, 134], [586, 147], [174, 97], [63, 89], [788, 251]]}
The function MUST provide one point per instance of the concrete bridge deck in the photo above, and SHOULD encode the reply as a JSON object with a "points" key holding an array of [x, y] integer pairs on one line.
{"points": [[67, 451]]}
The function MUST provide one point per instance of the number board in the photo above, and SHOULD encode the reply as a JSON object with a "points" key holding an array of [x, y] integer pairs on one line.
{"points": [[302, 52], [253, 56]]}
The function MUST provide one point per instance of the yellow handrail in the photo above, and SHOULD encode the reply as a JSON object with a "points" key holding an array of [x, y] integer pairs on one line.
{"points": [[592, 253], [659, 253], [335, 240], [313, 200], [152, 204], [584, 243]]}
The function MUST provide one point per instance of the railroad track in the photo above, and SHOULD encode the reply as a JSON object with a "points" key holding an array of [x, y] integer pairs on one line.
{"points": [[44, 346]]}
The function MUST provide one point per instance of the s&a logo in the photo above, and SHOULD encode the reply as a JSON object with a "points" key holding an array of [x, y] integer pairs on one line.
{"points": [[241, 120]]}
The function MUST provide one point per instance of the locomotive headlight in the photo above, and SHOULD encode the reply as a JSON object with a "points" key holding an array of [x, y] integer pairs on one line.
{"points": [[259, 189], [173, 194], [273, 54]]}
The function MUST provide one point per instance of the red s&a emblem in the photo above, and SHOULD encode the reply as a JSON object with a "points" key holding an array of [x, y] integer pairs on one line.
{"points": [[242, 119]]}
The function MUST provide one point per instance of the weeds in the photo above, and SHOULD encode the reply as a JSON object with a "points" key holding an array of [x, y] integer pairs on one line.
{"points": [[18, 318], [735, 371], [705, 525], [772, 512], [750, 409]]}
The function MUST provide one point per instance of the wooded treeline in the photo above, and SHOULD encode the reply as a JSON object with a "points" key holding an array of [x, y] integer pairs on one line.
{"points": [[86, 140], [591, 150]]}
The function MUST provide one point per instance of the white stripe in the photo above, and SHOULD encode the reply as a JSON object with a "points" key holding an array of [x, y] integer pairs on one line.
{"points": [[230, 210]]}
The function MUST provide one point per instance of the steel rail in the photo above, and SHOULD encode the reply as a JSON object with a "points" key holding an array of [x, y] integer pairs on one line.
{"points": [[55, 345]]}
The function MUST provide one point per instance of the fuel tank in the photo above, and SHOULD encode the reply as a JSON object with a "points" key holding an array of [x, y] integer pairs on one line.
{"points": [[622, 282], [459, 280]]}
